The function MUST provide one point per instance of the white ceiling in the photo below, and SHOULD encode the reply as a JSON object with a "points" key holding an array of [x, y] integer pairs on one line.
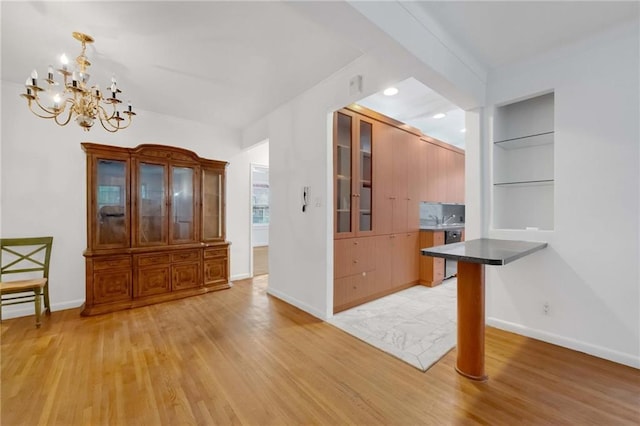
{"points": [[415, 104], [230, 63], [219, 62], [498, 33]]}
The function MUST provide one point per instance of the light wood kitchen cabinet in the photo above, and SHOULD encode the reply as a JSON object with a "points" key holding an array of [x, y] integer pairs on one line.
{"points": [[400, 168], [153, 214], [445, 171], [353, 290], [353, 256], [431, 268], [383, 178], [397, 181], [455, 177], [415, 185], [435, 183], [400, 191], [406, 261]]}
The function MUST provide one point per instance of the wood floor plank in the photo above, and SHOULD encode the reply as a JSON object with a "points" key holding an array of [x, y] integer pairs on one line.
{"points": [[241, 357]]}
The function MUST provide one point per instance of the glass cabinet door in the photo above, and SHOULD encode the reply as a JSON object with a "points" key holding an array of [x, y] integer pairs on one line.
{"points": [[212, 187], [343, 146], [112, 216], [152, 204], [364, 185], [353, 166], [182, 204]]}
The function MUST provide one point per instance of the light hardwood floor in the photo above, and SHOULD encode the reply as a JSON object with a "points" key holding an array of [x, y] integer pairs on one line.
{"points": [[260, 260], [239, 356]]}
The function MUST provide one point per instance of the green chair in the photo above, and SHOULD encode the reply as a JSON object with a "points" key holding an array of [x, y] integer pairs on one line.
{"points": [[27, 257]]}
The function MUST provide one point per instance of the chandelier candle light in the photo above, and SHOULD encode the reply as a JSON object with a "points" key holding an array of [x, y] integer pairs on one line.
{"points": [[76, 97]]}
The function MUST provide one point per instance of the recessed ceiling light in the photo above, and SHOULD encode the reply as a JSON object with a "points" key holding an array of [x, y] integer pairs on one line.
{"points": [[439, 115], [390, 91], [463, 130]]}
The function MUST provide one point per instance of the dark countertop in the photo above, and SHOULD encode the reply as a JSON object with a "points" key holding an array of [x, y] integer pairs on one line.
{"points": [[447, 227], [485, 250]]}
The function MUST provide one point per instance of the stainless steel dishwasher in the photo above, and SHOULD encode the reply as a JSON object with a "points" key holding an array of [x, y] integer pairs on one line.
{"points": [[451, 266]]}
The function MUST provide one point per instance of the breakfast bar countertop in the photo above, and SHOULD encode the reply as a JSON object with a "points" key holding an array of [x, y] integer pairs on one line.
{"points": [[487, 251]]}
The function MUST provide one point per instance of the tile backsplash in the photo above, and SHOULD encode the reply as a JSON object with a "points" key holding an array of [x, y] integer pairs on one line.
{"points": [[435, 213]]}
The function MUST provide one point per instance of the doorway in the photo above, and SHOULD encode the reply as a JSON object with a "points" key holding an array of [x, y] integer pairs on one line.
{"points": [[260, 218]]}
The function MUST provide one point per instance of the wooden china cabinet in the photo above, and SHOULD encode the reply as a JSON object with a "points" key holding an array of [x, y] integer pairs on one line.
{"points": [[155, 226]]}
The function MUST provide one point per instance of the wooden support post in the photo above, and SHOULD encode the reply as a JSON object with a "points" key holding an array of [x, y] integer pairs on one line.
{"points": [[470, 362]]}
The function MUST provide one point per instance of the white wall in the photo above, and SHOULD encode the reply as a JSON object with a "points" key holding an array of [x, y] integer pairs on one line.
{"points": [[43, 188], [299, 132], [589, 273]]}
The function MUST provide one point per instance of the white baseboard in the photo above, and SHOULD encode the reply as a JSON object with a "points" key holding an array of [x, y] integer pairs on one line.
{"points": [[26, 309], [240, 277], [297, 303], [567, 342]]}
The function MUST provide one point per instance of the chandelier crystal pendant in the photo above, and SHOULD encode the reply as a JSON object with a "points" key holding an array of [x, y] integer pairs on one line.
{"points": [[74, 97]]}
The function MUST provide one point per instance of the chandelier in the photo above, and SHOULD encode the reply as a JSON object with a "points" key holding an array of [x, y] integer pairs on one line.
{"points": [[74, 96]]}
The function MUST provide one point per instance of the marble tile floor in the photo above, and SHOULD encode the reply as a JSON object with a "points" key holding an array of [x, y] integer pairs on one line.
{"points": [[416, 325]]}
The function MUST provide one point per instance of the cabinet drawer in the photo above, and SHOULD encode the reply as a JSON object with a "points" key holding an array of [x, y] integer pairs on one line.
{"points": [[153, 259], [112, 263], [349, 291], [185, 255], [215, 253], [353, 255]]}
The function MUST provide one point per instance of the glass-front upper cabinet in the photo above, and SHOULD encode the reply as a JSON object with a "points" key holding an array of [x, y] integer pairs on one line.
{"points": [[111, 198], [212, 205], [183, 209], [366, 178], [343, 167], [152, 204], [353, 168]]}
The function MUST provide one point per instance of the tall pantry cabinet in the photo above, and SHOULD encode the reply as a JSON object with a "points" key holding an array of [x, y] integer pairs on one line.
{"points": [[377, 210], [155, 226]]}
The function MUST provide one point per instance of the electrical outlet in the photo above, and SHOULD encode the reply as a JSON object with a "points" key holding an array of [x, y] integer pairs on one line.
{"points": [[545, 308]]}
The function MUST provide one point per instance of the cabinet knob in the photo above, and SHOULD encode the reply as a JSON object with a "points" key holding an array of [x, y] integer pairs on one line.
{"points": [[355, 243], [355, 261]]}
